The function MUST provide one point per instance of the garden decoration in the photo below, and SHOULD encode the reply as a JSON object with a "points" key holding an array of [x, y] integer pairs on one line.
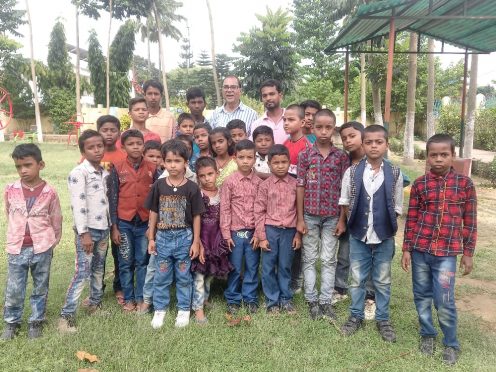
{"points": [[73, 135]]}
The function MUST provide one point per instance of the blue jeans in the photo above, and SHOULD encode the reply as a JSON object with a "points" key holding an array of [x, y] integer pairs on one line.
{"points": [[248, 289], [434, 281], [276, 265], [149, 278], [201, 290], [320, 234], [375, 258], [89, 267], [15, 292], [133, 258], [116, 284], [173, 260]]}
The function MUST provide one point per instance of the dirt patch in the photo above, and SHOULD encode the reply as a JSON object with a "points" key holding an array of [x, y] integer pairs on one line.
{"points": [[486, 285], [481, 305]]}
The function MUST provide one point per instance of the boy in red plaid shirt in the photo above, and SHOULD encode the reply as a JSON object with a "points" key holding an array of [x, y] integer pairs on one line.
{"points": [[441, 224]]}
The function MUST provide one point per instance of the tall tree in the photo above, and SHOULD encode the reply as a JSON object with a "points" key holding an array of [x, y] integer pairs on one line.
{"points": [[96, 65], [363, 90], [408, 148], [60, 72], [468, 143], [212, 46], [223, 65], [431, 79]]}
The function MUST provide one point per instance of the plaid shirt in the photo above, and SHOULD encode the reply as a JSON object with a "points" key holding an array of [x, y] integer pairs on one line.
{"points": [[442, 215]]}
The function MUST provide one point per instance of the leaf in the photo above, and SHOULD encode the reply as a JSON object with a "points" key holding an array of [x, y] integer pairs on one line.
{"points": [[87, 370], [83, 355]]}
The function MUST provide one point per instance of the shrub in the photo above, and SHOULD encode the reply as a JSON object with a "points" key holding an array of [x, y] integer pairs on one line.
{"points": [[449, 121], [125, 120], [485, 170], [419, 153], [485, 130], [396, 145]]}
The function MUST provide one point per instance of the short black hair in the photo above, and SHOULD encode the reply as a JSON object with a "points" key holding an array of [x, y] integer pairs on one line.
{"points": [[326, 112], [185, 138], [185, 116], [298, 109], [177, 147], [151, 145], [131, 133], [25, 150], [204, 162], [205, 126], [271, 83], [277, 150], [87, 134], [376, 128], [154, 83], [227, 135], [441, 138], [236, 124], [352, 124], [263, 129], [195, 92], [311, 103], [136, 100], [108, 119], [245, 144]]}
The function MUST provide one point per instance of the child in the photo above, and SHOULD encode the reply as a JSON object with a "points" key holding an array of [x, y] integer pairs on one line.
{"points": [[372, 198], [237, 128], [175, 206], [200, 135], [237, 224], [152, 154], [441, 224], [275, 215], [263, 137], [294, 120], [195, 100], [185, 124], [310, 108], [129, 184], [214, 260], [320, 220], [188, 141], [222, 148], [138, 111], [90, 208], [34, 229]]}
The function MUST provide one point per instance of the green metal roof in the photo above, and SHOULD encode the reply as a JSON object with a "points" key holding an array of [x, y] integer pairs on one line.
{"points": [[467, 24]]}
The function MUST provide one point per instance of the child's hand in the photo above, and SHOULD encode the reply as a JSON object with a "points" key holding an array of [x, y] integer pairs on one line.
{"points": [[301, 227], [264, 245], [340, 228], [254, 242], [467, 264], [194, 251], [201, 257], [115, 235], [297, 241], [406, 259], [87, 242], [152, 248], [230, 244]]}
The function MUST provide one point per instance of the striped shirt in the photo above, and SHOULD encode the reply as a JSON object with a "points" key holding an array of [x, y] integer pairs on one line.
{"points": [[220, 117]]}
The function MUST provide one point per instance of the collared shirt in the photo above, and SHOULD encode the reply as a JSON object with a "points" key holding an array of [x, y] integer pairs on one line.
{"points": [[237, 202], [442, 215], [321, 177], [262, 164], [88, 193], [280, 134], [275, 204], [220, 117], [44, 219], [162, 123]]}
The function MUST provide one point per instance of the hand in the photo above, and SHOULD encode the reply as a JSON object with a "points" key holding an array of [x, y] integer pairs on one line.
{"points": [[301, 227], [115, 235], [230, 244], [87, 242], [406, 260], [264, 245], [340, 228], [152, 248], [467, 264], [194, 251], [297, 241], [254, 242], [201, 257]]}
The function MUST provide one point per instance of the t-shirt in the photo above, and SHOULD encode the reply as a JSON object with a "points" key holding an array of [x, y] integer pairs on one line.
{"points": [[110, 158], [30, 198], [175, 209], [294, 149]]}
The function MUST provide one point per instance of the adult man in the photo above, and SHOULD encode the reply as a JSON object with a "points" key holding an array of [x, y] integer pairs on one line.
{"points": [[271, 94], [195, 100], [232, 108], [159, 121]]}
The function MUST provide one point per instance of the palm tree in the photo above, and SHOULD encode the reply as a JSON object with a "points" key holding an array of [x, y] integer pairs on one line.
{"points": [[107, 84], [468, 143], [408, 148], [214, 64], [431, 79]]}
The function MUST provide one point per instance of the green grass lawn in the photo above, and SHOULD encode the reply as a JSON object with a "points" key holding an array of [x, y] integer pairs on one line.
{"points": [[268, 343]]}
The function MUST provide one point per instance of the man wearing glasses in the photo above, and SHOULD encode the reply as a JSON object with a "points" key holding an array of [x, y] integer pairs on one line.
{"points": [[233, 108]]}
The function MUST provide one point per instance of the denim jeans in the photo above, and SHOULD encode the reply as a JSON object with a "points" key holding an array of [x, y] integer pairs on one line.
{"points": [[133, 258], [247, 290], [201, 290], [276, 265], [116, 284], [296, 270], [173, 260], [434, 281], [320, 230], [375, 258], [88, 267], [149, 278], [17, 276]]}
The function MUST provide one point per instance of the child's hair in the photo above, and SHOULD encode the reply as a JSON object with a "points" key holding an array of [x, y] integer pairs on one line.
{"points": [[299, 110], [352, 124], [151, 145], [108, 119], [441, 138], [204, 162], [326, 112], [154, 84], [87, 134], [227, 135], [207, 127], [277, 150], [177, 147], [236, 124], [185, 138], [184, 116], [131, 133], [311, 103], [271, 83], [263, 129], [26, 150], [136, 100], [375, 128], [245, 144], [193, 93]]}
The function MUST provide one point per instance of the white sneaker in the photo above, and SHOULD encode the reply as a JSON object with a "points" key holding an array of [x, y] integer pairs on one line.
{"points": [[370, 310], [182, 319], [158, 319]]}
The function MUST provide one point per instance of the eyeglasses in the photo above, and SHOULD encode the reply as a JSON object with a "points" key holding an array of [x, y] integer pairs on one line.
{"points": [[230, 87]]}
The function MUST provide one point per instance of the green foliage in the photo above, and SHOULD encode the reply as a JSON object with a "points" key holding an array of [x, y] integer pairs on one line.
{"points": [[485, 170], [10, 18], [96, 65], [90, 8], [449, 121], [125, 120], [142, 71], [449, 81], [60, 73], [485, 130], [223, 65], [61, 105], [396, 145]]}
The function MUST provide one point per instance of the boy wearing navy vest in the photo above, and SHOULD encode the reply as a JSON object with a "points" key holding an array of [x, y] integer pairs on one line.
{"points": [[129, 184], [372, 197]]}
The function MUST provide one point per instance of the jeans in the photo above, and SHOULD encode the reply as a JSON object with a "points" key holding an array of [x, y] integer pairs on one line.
{"points": [[173, 260], [276, 265], [247, 289], [115, 256], [17, 276], [375, 258], [201, 290], [434, 281], [320, 230], [133, 258], [149, 278], [89, 267]]}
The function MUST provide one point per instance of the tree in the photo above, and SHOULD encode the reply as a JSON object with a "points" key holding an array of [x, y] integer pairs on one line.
{"points": [[60, 72], [431, 78], [468, 143], [203, 76], [186, 54], [408, 151], [96, 65], [144, 72], [214, 63], [10, 21], [223, 65]]}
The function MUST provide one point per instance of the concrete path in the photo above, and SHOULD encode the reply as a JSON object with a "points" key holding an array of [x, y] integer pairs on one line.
{"points": [[485, 156]]}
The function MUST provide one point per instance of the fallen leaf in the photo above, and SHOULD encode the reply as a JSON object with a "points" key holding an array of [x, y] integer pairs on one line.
{"points": [[87, 370], [83, 355]]}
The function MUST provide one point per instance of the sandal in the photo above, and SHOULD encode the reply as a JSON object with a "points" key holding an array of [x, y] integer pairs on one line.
{"points": [[386, 330], [120, 298], [129, 307]]}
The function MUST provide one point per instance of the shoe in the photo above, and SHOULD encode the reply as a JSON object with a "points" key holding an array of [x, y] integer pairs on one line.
{"points": [[129, 307], [35, 330], [386, 330], [450, 355], [158, 319], [67, 324], [351, 326], [182, 319], [91, 309], [315, 311], [232, 309], [10, 331], [338, 297], [369, 309], [273, 310], [427, 345], [328, 312], [289, 308], [252, 307]]}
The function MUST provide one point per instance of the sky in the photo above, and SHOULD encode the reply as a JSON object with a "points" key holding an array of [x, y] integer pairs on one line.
{"points": [[231, 17]]}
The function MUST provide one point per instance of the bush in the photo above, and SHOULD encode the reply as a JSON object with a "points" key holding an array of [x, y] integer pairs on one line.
{"points": [[419, 153], [396, 145], [125, 120], [61, 105], [449, 121], [485, 170]]}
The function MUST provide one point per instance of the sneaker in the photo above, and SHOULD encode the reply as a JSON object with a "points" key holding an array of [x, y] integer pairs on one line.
{"points": [[427, 345], [273, 310], [315, 311], [328, 312], [158, 319], [351, 326], [386, 330], [91, 309], [338, 297], [35, 330], [182, 319], [450, 355], [67, 324], [289, 308], [10, 331], [232, 309], [252, 307], [370, 309]]}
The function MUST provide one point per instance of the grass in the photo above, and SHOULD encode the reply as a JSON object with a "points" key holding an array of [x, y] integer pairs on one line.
{"points": [[127, 342]]}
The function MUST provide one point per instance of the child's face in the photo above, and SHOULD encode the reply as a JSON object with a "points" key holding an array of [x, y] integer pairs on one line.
{"points": [[29, 169], [219, 144], [440, 158], [175, 164], [139, 112], [238, 135], [375, 145], [153, 156], [309, 117], [201, 138], [207, 177], [196, 106], [323, 128], [134, 147], [189, 147], [292, 122], [245, 159], [186, 127], [93, 149], [263, 143], [110, 134], [351, 138], [279, 165]]}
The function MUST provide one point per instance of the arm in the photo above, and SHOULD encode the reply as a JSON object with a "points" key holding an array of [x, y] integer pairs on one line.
{"points": [[152, 225], [195, 246], [260, 211], [300, 220], [55, 215], [411, 221], [113, 197], [398, 195], [225, 213], [469, 229], [77, 188]]}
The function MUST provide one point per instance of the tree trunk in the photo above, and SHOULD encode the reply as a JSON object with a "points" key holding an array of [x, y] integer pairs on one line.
{"points": [[376, 101], [33, 77], [214, 68], [363, 90], [161, 55], [468, 143], [431, 79], [78, 76], [108, 57], [408, 148], [148, 51]]}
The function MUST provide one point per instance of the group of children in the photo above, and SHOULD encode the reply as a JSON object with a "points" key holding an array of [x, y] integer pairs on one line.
{"points": [[244, 202]]}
